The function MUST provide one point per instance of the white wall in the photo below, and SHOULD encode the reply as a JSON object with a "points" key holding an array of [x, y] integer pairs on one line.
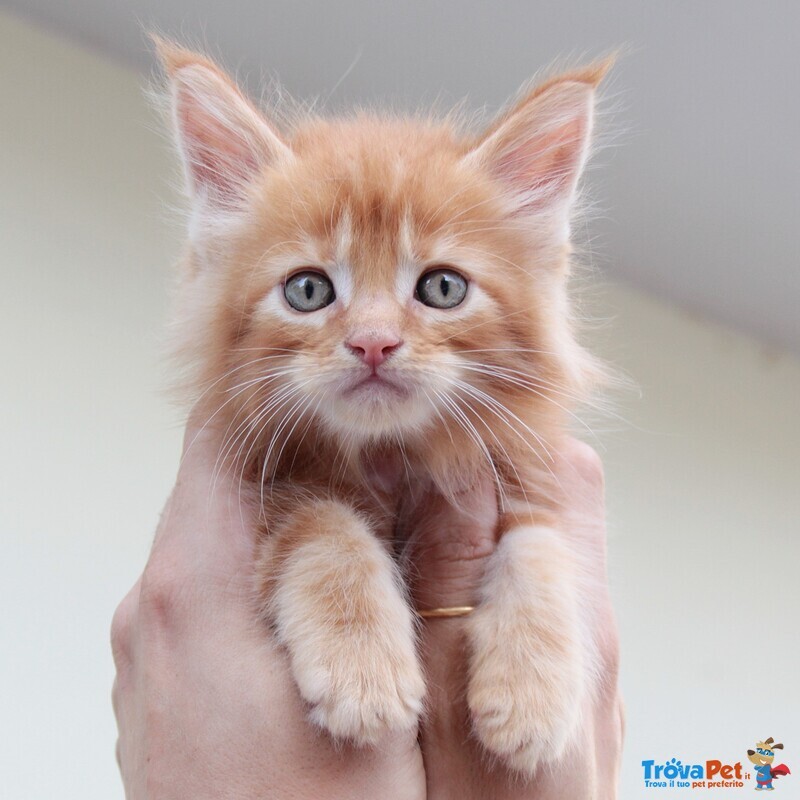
{"points": [[704, 498], [89, 447], [703, 480]]}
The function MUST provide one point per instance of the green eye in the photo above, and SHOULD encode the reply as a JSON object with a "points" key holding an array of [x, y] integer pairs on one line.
{"points": [[442, 288], [309, 291]]}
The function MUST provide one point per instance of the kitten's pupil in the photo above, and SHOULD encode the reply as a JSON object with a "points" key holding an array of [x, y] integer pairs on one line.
{"points": [[309, 289], [445, 286]]}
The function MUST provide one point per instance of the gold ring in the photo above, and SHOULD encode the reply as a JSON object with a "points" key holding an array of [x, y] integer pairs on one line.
{"points": [[439, 613]]}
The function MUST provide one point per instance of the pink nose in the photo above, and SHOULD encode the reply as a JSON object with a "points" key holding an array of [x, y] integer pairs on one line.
{"points": [[373, 350]]}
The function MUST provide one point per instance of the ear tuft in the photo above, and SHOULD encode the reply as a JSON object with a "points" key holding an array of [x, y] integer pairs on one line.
{"points": [[538, 149], [223, 139], [172, 56]]}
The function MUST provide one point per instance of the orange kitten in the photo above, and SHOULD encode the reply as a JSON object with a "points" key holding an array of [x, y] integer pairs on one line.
{"points": [[373, 301]]}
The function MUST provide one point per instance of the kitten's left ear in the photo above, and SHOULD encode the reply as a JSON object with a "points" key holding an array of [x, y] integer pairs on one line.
{"points": [[537, 150], [223, 139]]}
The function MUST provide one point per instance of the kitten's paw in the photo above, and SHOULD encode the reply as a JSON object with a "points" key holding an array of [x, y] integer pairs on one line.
{"points": [[525, 706], [340, 611], [363, 692], [530, 670]]}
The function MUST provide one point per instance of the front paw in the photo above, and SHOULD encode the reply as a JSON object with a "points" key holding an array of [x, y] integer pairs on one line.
{"points": [[339, 610], [528, 673], [362, 689], [525, 703]]}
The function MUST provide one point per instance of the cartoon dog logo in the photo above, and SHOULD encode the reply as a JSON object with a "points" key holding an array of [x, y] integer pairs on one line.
{"points": [[762, 757]]}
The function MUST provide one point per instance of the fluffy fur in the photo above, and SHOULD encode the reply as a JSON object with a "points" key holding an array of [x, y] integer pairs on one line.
{"points": [[373, 202]]}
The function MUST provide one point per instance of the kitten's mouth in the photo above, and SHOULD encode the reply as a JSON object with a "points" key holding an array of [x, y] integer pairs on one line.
{"points": [[375, 384]]}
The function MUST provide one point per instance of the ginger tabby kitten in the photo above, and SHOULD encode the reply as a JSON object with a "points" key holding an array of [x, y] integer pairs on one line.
{"points": [[373, 305]]}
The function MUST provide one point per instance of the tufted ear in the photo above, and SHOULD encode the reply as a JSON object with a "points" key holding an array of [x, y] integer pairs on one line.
{"points": [[223, 139], [538, 148]]}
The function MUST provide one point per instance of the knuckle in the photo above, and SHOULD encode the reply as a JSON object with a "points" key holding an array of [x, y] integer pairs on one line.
{"points": [[448, 571], [588, 464], [120, 628], [451, 552], [450, 545], [164, 592], [121, 631]]}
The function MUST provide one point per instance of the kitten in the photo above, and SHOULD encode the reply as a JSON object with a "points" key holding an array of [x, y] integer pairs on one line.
{"points": [[374, 303]]}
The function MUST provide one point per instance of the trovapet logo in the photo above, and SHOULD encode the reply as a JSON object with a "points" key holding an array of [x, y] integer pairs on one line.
{"points": [[713, 773], [709, 774]]}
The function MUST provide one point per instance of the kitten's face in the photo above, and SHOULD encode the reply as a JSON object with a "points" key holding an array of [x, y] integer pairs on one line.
{"points": [[389, 262], [381, 276]]}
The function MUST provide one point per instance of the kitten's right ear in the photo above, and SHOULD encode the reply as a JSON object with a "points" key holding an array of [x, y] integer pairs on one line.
{"points": [[223, 139]]}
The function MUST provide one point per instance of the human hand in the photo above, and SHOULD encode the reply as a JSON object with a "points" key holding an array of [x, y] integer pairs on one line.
{"points": [[449, 550], [204, 701], [205, 704]]}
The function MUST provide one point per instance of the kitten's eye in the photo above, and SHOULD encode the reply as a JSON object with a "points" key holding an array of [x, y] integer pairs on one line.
{"points": [[442, 288], [309, 291]]}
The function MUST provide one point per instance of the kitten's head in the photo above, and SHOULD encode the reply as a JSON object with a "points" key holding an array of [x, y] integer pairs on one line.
{"points": [[380, 277]]}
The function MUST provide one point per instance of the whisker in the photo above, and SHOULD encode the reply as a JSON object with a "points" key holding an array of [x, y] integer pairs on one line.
{"points": [[281, 427], [247, 426], [469, 429], [538, 438], [287, 438], [311, 419], [527, 384], [488, 398], [227, 374], [509, 460]]}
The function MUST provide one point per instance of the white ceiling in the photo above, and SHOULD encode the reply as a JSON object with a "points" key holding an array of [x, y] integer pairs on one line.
{"points": [[699, 195]]}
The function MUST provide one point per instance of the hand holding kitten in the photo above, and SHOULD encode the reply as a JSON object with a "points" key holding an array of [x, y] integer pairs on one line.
{"points": [[206, 704]]}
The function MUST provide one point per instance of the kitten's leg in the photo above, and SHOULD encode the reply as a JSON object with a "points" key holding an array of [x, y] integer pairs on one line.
{"points": [[334, 595], [530, 665]]}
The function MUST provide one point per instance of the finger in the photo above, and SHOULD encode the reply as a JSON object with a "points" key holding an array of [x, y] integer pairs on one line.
{"points": [[212, 504], [449, 543], [201, 470], [580, 475], [204, 430]]}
